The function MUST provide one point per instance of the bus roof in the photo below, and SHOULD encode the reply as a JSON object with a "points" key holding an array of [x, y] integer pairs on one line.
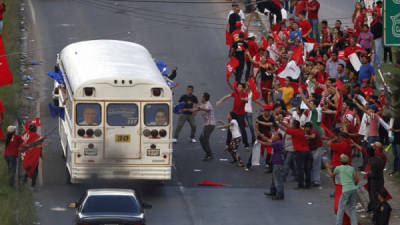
{"points": [[101, 61]]}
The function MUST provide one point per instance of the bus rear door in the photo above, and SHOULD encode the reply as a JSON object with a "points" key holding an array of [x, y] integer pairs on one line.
{"points": [[121, 130]]}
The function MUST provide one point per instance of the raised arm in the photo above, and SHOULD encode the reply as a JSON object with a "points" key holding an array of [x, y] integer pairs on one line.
{"points": [[361, 107], [304, 98], [223, 99]]}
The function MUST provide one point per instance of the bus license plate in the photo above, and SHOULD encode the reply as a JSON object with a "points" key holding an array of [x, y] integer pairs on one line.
{"points": [[123, 138], [153, 152], [90, 151]]}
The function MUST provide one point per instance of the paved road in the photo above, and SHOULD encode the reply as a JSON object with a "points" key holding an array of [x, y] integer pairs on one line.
{"points": [[192, 37]]}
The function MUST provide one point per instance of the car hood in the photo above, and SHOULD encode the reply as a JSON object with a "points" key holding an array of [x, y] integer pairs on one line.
{"points": [[111, 217]]}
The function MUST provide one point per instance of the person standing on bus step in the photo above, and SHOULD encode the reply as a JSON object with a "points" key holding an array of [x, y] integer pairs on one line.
{"points": [[188, 114], [13, 141], [209, 124]]}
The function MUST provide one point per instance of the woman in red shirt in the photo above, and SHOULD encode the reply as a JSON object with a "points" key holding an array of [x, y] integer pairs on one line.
{"points": [[13, 141]]}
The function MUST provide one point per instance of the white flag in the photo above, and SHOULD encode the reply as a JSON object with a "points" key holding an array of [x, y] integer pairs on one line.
{"points": [[355, 61], [291, 70]]}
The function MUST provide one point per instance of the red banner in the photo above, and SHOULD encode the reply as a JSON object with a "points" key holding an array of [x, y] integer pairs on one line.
{"points": [[265, 43], [30, 158], [254, 90], [231, 66], [5, 73], [228, 38]]}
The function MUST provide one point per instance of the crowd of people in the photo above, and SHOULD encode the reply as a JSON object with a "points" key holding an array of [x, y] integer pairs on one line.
{"points": [[317, 98]]}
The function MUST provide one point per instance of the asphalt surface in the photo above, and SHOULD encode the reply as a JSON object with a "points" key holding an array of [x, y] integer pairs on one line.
{"points": [[190, 36]]}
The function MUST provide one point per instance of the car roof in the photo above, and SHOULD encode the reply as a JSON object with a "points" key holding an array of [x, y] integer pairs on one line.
{"points": [[110, 191]]}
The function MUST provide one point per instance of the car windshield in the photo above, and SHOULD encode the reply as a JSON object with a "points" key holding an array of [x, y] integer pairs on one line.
{"points": [[111, 204]]}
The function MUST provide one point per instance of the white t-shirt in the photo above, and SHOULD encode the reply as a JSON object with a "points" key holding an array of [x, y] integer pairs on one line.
{"points": [[249, 105], [364, 125], [273, 51], [234, 127]]}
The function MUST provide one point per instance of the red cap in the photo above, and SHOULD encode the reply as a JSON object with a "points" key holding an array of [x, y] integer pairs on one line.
{"points": [[238, 24], [311, 59]]}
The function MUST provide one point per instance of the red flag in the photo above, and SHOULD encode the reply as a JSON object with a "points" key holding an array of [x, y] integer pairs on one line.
{"points": [[298, 54], [231, 66], [276, 38], [228, 38], [254, 90], [30, 158], [340, 85], [35, 121], [265, 43], [339, 109], [5, 73], [210, 183]]}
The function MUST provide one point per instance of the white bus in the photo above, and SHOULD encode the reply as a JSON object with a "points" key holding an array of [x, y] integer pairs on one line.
{"points": [[118, 112]]}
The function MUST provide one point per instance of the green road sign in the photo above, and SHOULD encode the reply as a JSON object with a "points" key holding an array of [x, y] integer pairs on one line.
{"points": [[391, 22]]}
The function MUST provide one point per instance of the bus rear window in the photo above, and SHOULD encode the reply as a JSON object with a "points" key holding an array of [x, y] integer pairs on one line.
{"points": [[156, 115], [88, 114], [122, 114]]}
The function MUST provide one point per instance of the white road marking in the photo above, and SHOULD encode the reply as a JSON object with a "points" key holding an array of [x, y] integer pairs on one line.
{"points": [[32, 12], [58, 209]]}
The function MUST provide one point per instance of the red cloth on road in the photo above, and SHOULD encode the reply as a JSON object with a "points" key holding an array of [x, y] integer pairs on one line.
{"points": [[5, 73]]}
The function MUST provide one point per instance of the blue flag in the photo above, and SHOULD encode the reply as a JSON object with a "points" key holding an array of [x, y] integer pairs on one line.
{"points": [[170, 83], [56, 76], [178, 108], [162, 67], [57, 111]]}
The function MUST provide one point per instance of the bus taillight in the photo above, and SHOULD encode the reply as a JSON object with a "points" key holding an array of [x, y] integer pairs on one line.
{"points": [[146, 132], [154, 133]]}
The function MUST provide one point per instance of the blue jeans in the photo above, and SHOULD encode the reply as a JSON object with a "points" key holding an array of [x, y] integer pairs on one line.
{"points": [[316, 170], [249, 119], [378, 52], [396, 155], [277, 180], [348, 200], [290, 163], [372, 139], [315, 32]]}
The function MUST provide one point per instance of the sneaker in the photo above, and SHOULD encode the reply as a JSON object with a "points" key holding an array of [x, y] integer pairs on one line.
{"points": [[233, 161], [193, 140], [315, 184], [269, 194], [207, 158], [174, 140], [246, 169], [241, 164]]}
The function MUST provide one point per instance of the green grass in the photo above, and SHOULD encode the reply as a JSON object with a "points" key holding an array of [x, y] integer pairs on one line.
{"points": [[16, 206]]}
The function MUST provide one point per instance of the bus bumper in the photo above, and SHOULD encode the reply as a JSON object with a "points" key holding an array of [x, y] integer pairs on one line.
{"points": [[82, 174]]}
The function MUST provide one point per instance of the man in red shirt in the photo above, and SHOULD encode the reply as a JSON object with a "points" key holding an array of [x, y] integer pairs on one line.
{"points": [[353, 48], [239, 101], [305, 26], [313, 8], [300, 6], [326, 37], [343, 146], [252, 47], [13, 141], [366, 90], [303, 154]]}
